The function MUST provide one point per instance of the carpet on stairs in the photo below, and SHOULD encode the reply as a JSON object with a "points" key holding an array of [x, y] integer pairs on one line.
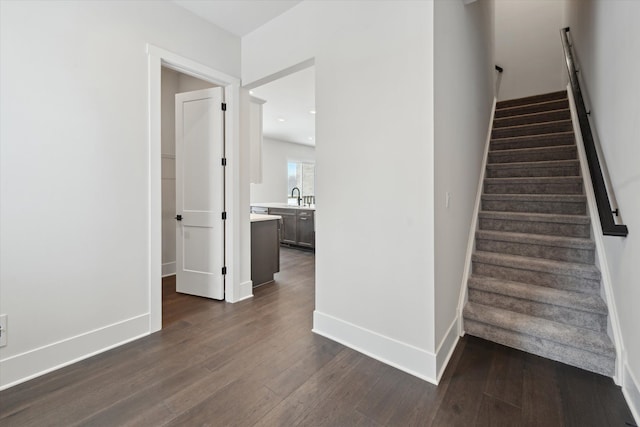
{"points": [[534, 284]]}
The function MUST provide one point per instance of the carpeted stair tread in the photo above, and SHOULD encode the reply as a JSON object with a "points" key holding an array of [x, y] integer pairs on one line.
{"points": [[547, 153], [570, 204], [572, 336], [554, 126], [534, 185], [537, 168], [536, 245], [531, 141], [537, 239], [559, 268], [528, 165], [534, 99], [542, 294], [536, 179], [581, 358], [523, 216], [576, 198], [530, 118], [557, 104]]}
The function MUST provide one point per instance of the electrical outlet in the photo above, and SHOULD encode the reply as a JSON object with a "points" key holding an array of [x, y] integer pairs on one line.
{"points": [[3, 330]]}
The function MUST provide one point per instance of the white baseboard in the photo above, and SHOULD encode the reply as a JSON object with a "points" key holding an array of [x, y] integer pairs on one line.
{"points": [[445, 349], [631, 391], [33, 363], [168, 269], [406, 357], [245, 291]]}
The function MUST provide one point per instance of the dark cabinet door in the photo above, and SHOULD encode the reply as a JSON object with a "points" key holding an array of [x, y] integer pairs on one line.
{"points": [[288, 232], [306, 232], [265, 251]]}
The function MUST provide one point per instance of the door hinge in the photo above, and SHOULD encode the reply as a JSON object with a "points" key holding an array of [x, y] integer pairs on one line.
{"points": [[224, 161], [224, 215], [224, 106], [224, 270]]}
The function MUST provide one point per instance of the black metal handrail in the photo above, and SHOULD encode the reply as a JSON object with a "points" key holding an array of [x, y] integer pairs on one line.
{"points": [[609, 227]]}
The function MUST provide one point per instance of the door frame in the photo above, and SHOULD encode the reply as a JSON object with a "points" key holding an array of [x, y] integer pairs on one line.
{"points": [[157, 58]]}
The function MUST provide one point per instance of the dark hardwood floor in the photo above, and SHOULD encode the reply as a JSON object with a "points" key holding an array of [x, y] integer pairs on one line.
{"points": [[258, 363]]}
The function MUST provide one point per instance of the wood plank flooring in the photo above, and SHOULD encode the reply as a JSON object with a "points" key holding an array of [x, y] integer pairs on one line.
{"points": [[258, 363]]}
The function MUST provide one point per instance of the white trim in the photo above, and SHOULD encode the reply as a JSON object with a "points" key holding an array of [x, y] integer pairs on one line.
{"points": [[596, 230], [187, 66], [447, 345], [245, 291], [280, 74], [462, 299], [233, 190], [157, 58], [406, 357], [631, 391], [168, 269], [39, 361]]}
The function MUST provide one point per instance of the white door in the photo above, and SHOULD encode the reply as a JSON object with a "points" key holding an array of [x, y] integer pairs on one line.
{"points": [[200, 193]]}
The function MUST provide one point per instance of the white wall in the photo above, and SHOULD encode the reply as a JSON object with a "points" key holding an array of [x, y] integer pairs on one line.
{"points": [[374, 175], [74, 167], [528, 47], [172, 82], [275, 155], [464, 75], [607, 41]]}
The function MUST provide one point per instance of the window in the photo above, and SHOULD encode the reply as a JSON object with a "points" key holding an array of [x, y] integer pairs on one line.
{"points": [[301, 175]]}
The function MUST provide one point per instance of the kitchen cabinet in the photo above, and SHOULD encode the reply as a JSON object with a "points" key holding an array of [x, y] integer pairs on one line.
{"points": [[289, 228], [265, 248], [298, 225], [305, 229]]}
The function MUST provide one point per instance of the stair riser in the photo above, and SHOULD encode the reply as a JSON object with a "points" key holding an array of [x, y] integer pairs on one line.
{"points": [[584, 256], [553, 96], [551, 350], [556, 281], [537, 155], [532, 142], [536, 227], [536, 129], [516, 172], [532, 108], [566, 208], [581, 319], [542, 117], [533, 188]]}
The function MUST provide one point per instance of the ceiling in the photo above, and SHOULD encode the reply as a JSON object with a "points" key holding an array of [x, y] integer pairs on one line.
{"points": [[239, 17], [286, 114]]}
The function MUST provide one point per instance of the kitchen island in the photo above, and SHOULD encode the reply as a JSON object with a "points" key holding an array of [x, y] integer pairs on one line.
{"points": [[265, 248], [298, 222]]}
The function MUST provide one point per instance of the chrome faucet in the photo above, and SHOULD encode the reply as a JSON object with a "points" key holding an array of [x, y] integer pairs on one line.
{"points": [[299, 198]]}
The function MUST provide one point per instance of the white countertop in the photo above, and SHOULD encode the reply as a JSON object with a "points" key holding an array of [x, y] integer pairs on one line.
{"points": [[263, 217], [283, 205]]}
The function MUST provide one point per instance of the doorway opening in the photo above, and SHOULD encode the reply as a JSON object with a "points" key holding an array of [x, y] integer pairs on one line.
{"points": [[285, 185], [159, 59], [173, 83]]}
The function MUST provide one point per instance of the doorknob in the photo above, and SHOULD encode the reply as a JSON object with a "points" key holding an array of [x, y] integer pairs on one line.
{"points": [[178, 217]]}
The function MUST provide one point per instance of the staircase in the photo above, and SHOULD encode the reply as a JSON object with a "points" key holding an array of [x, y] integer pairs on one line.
{"points": [[534, 285]]}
